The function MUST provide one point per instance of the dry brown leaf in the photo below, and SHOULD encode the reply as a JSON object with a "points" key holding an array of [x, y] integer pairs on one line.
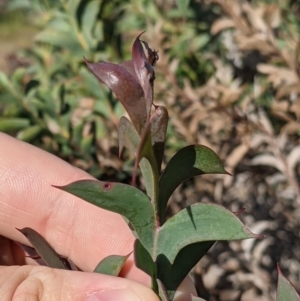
{"points": [[254, 16], [293, 158], [280, 109], [173, 65], [251, 295], [287, 90], [243, 279], [288, 56], [87, 130], [265, 122], [267, 69], [276, 178], [258, 139], [289, 193], [191, 92], [84, 109], [282, 77], [281, 106], [212, 276], [258, 227], [292, 127], [295, 108], [236, 155], [229, 295], [278, 75], [230, 96], [272, 15], [255, 42], [268, 160], [219, 122], [221, 24], [261, 247], [280, 143], [231, 264]]}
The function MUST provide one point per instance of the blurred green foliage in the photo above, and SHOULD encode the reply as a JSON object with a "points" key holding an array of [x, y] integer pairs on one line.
{"points": [[41, 103], [56, 104]]}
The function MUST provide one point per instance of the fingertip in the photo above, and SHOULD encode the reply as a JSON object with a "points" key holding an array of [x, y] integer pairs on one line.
{"points": [[47, 284], [115, 289]]}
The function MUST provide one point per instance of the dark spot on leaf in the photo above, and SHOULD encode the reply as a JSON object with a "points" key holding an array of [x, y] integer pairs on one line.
{"points": [[107, 186]]}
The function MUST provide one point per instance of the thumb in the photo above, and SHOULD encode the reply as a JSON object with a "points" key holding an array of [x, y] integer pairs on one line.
{"points": [[46, 284]]}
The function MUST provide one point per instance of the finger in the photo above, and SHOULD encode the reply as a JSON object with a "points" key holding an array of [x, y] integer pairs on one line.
{"points": [[75, 228], [42, 283]]}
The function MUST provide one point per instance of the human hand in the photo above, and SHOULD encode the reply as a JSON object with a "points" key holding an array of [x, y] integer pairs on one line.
{"points": [[77, 230]]}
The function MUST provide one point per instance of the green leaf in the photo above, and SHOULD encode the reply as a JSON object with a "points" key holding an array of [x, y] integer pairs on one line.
{"points": [[60, 23], [10, 123], [143, 259], [183, 6], [43, 248], [201, 41], [111, 265], [124, 199], [72, 7], [196, 223], [129, 137], [172, 275], [147, 176], [188, 162], [4, 81], [91, 83], [18, 4], [18, 76], [29, 133], [145, 150], [88, 21], [87, 143], [285, 290], [65, 40]]}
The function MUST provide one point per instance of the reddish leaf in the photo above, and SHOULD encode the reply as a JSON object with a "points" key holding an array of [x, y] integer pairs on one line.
{"points": [[131, 82], [125, 87], [44, 249], [144, 71], [128, 65]]}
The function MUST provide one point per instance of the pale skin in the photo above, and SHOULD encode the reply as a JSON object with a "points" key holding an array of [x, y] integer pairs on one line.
{"points": [[80, 231]]}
